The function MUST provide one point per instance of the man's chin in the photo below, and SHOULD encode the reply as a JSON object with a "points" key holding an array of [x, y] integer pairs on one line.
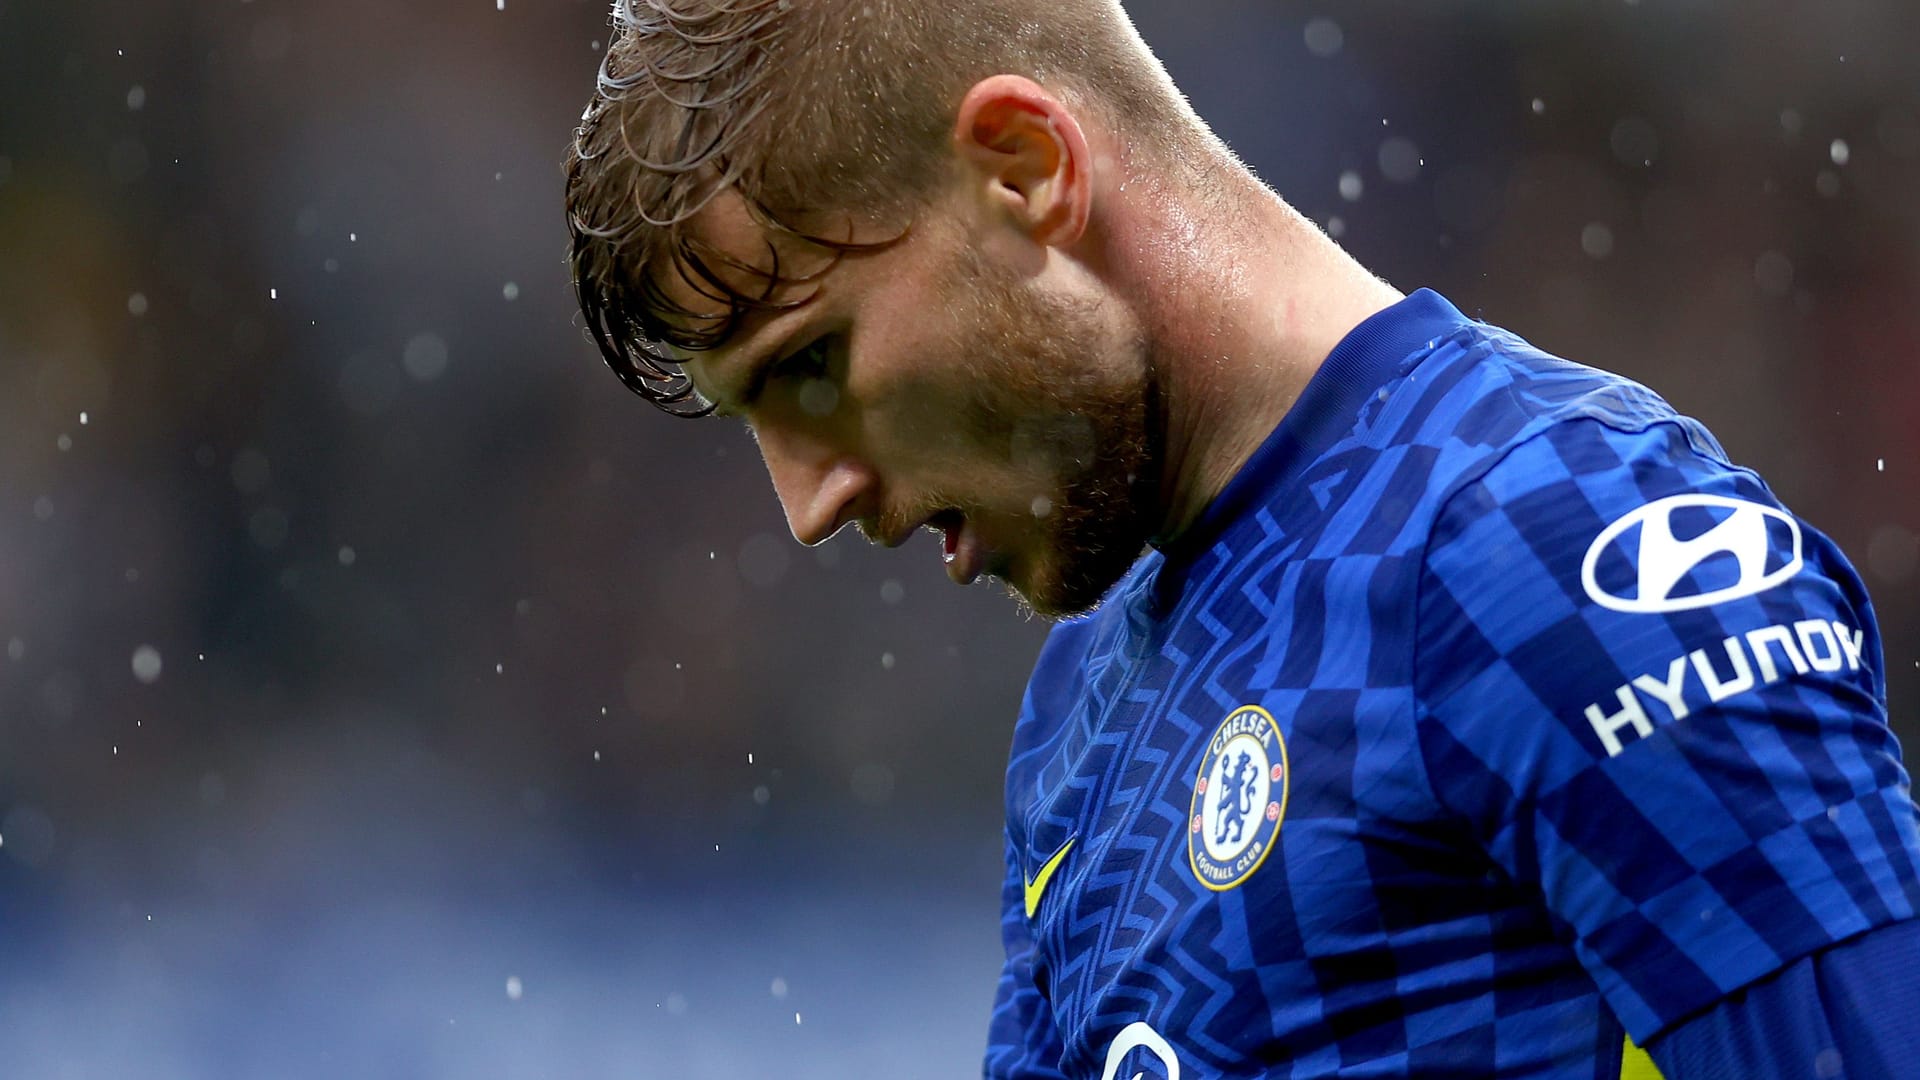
{"points": [[1045, 592]]}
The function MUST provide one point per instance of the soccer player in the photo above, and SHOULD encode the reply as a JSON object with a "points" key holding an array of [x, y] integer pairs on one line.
{"points": [[1419, 704]]}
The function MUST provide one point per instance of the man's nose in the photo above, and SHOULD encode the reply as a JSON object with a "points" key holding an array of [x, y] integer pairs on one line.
{"points": [[820, 488]]}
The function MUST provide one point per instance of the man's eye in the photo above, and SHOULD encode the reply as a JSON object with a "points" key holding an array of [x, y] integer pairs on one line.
{"points": [[818, 395], [810, 362]]}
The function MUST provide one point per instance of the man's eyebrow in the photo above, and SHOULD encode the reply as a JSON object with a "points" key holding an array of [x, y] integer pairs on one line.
{"points": [[761, 368], [719, 399], [732, 405], [758, 371]]}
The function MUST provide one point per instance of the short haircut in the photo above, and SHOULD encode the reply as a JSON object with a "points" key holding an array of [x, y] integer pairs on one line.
{"points": [[818, 113]]}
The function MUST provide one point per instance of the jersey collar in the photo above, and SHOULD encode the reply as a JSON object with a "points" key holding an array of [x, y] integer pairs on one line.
{"points": [[1370, 355]]}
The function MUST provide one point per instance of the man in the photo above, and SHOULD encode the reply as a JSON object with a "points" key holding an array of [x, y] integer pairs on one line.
{"points": [[1467, 713]]}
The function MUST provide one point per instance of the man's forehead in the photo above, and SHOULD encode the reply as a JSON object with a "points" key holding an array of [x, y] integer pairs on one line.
{"points": [[751, 259], [749, 256]]}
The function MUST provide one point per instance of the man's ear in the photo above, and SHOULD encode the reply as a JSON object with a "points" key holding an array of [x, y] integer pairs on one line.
{"points": [[1029, 156]]}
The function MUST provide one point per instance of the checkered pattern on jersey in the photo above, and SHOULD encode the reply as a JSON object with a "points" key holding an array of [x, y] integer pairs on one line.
{"points": [[1408, 921], [1766, 814]]}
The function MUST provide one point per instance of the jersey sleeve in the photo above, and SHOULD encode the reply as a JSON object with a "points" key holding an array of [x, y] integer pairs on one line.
{"points": [[1657, 697], [1850, 1010], [1022, 1043]]}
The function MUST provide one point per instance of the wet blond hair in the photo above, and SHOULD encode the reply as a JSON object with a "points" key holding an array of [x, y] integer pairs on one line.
{"points": [[818, 113]]}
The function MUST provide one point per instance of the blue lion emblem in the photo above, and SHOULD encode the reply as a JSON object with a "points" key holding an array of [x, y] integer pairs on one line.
{"points": [[1236, 797]]}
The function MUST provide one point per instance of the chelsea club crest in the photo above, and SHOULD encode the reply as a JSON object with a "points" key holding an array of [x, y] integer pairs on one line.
{"points": [[1238, 799]]}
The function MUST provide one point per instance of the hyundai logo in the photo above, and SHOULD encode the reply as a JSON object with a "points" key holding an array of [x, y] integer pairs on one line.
{"points": [[1644, 573]]}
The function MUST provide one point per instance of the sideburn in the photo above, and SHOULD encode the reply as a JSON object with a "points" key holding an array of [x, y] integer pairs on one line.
{"points": [[1058, 414]]}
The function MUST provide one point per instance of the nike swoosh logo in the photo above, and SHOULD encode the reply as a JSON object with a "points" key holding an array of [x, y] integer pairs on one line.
{"points": [[1037, 884]]}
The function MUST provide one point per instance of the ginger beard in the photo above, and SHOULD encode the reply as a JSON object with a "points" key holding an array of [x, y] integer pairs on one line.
{"points": [[1057, 396]]}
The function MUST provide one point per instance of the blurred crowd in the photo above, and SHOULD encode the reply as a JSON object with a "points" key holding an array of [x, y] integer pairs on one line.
{"points": [[387, 692]]}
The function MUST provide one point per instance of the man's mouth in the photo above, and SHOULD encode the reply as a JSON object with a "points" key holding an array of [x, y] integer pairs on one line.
{"points": [[961, 547]]}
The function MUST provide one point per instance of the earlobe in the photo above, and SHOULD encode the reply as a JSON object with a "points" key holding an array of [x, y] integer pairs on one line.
{"points": [[1030, 156]]}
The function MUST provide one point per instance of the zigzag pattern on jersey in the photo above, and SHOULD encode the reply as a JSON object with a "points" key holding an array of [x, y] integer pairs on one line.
{"points": [[1238, 640], [1381, 936]]}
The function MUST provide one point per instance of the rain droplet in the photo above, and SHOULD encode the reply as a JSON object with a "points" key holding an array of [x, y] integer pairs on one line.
{"points": [[819, 397], [1323, 37], [1352, 186], [1399, 159], [763, 559], [872, 783], [1839, 151], [251, 471], [425, 357], [1773, 272], [1596, 240], [146, 664], [510, 290], [513, 988]]}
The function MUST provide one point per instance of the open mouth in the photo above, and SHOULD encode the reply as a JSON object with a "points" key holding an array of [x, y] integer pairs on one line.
{"points": [[949, 523], [962, 548]]}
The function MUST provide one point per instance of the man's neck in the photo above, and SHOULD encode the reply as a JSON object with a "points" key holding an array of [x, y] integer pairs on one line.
{"points": [[1242, 315]]}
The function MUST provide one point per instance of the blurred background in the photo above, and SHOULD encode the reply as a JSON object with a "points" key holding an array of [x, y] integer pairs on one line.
{"points": [[388, 693]]}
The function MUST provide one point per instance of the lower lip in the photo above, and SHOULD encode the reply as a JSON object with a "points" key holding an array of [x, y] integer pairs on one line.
{"points": [[969, 554]]}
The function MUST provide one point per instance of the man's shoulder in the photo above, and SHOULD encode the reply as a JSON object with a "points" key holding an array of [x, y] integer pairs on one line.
{"points": [[1479, 410], [1465, 407], [1486, 390]]}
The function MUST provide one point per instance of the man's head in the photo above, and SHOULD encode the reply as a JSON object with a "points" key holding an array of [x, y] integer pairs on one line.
{"points": [[867, 227]]}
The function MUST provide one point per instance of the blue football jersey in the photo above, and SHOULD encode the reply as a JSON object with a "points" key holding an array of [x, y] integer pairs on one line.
{"points": [[1489, 723]]}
